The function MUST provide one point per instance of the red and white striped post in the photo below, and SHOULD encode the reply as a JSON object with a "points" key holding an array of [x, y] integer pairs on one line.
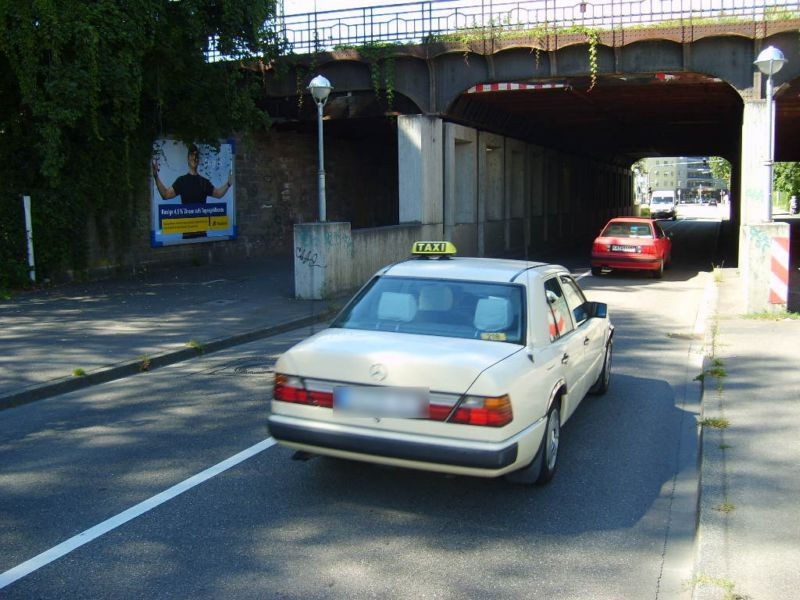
{"points": [[779, 271]]}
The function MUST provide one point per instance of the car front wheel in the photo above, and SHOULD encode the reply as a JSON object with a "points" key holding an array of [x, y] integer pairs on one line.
{"points": [[600, 386]]}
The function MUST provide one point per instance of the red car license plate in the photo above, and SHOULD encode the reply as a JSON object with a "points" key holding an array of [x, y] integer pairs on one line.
{"points": [[618, 248]]}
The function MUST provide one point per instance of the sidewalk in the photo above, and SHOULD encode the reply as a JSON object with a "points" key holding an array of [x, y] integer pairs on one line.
{"points": [[748, 542], [111, 329]]}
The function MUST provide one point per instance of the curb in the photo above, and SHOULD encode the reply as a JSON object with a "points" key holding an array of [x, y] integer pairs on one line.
{"points": [[67, 384], [709, 526]]}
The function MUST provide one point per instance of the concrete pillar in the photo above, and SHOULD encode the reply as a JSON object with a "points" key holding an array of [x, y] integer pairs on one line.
{"points": [[420, 156], [491, 173], [323, 257], [764, 264], [755, 139], [461, 187], [515, 193]]}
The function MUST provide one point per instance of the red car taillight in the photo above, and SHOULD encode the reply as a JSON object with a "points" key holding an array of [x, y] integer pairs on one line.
{"points": [[598, 248], [486, 412], [648, 250], [289, 390]]}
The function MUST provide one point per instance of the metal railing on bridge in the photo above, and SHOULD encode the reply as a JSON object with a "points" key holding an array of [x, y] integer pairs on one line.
{"points": [[452, 20]]}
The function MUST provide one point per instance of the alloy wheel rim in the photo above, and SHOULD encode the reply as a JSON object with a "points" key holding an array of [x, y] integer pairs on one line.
{"points": [[553, 432]]}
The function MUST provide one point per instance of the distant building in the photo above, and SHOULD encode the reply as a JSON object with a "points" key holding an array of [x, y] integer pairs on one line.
{"points": [[689, 177]]}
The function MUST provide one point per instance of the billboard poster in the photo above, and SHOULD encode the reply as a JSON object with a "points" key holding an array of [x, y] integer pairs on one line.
{"points": [[192, 193]]}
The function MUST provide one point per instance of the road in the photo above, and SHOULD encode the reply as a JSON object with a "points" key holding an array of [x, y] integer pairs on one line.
{"points": [[616, 522]]}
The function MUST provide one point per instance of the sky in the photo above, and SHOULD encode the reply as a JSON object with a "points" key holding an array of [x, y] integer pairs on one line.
{"points": [[293, 7]]}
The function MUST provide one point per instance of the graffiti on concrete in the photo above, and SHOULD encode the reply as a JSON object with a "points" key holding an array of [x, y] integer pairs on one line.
{"points": [[309, 257]]}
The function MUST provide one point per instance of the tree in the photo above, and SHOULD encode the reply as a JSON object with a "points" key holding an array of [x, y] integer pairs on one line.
{"points": [[88, 86], [787, 177], [720, 169]]}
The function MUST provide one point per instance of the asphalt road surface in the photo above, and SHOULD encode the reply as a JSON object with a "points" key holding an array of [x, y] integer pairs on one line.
{"points": [[99, 494]]}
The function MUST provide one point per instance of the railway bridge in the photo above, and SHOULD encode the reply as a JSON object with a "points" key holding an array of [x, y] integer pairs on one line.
{"points": [[515, 124]]}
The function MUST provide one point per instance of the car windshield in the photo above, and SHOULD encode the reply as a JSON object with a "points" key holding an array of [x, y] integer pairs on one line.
{"points": [[662, 201], [448, 308], [627, 229]]}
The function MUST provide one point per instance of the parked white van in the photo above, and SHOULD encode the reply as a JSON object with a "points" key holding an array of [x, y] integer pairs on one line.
{"points": [[662, 205]]}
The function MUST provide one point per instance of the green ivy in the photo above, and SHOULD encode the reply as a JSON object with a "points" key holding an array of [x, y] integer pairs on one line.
{"points": [[87, 88], [382, 67]]}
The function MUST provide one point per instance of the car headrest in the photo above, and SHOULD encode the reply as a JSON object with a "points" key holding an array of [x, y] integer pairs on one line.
{"points": [[396, 306], [435, 297], [492, 314]]}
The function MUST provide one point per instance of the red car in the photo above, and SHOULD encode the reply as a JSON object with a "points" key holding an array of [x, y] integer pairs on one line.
{"points": [[632, 243]]}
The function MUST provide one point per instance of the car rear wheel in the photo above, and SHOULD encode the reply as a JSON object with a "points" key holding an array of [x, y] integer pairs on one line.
{"points": [[659, 272], [543, 466], [600, 386], [597, 271]]}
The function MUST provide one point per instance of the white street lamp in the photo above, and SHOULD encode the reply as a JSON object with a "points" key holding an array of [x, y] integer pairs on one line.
{"points": [[770, 61], [320, 88]]}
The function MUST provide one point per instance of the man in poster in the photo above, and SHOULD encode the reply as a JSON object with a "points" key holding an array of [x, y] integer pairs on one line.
{"points": [[192, 187]]}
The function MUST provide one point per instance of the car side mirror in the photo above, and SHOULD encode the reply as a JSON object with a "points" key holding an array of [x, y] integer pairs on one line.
{"points": [[597, 310]]}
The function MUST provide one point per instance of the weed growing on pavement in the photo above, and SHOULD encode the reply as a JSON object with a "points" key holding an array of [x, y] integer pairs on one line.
{"points": [[725, 507], [144, 363], [78, 373], [773, 316], [724, 446], [726, 585], [717, 273], [196, 345], [715, 422]]}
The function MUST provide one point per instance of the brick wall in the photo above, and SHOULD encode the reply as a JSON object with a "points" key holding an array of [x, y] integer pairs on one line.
{"points": [[276, 187]]}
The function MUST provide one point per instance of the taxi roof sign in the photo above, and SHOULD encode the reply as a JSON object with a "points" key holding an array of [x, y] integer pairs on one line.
{"points": [[433, 249]]}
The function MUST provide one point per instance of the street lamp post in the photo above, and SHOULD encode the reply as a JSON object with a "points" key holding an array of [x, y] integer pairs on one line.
{"points": [[770, 60], [320, 88]]}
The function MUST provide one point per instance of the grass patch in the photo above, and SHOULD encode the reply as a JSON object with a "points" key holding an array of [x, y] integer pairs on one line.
{"points": [[715, 422], [773, 316], [724, 446], [725, 507], [78, 373], [717, 372], [198, 346], [726, 585], [144, 363]]}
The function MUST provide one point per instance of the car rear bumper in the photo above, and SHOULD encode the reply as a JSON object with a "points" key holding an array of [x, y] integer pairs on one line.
{"points": [[435, 454], [625, 262]]}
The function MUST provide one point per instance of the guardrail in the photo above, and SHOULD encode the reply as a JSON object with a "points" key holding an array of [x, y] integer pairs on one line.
{"points": [[434, 20]]}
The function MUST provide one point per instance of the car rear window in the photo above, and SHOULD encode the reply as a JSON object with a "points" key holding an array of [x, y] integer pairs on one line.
{"points": [[628, 229], [447, 308]]}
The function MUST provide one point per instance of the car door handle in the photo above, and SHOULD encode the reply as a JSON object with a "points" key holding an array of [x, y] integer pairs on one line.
{"points": [[586, 341], [565, 358]]}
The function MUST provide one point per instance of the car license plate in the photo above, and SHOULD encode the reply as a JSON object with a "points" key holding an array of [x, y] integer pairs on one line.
{"points": [[400, 402], [618, 248]]}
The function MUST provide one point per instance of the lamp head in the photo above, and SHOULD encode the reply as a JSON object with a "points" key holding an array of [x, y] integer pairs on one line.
{"points": [[320, 88], [770, 60]]}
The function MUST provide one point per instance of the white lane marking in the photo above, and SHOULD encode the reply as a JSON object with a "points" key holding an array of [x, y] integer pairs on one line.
{"points": [[67, 546]]}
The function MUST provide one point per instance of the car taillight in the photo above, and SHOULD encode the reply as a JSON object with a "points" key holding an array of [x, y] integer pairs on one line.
{"points": [[648, 250], [291, 389], [474, 410], [599, 247]]}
